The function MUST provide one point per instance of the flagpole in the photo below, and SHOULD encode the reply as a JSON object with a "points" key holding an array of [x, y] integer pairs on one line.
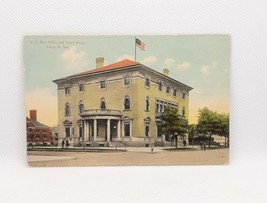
{"points": [[134, 48]]}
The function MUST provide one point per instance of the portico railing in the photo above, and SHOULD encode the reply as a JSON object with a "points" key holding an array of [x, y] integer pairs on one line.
{"points": [[101, 112]]}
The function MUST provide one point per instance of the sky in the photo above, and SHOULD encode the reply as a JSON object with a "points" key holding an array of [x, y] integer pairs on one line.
{"points": [[200, 61]]}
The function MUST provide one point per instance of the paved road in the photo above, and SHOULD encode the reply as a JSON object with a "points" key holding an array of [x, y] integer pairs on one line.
{"points": [[32, 158], [133, 158]]}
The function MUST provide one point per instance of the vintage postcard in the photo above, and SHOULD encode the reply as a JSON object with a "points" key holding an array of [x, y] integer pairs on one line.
{"points": [[127, 100]]}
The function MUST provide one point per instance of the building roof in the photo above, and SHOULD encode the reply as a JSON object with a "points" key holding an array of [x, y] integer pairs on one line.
{"points": [[119, 65], [37, 124]]}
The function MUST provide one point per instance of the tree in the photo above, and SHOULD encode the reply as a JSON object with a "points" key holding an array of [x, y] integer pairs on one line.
{"points": [[212, 123], [207, 123], [224, 127], [173, 124]]}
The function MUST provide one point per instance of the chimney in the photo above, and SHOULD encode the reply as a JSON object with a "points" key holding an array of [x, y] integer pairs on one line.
{"points": [[99, 62], [33, 115], [166, 71]]}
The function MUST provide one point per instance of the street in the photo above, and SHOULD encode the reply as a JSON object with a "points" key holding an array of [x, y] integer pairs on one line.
{"points": [[132, 157]]}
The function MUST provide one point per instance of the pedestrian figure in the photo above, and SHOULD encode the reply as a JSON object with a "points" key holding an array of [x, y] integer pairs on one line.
{"points": [[67, 143], [62, 144], [204, 146], [184, 142], [201, 145], [152, 150]]}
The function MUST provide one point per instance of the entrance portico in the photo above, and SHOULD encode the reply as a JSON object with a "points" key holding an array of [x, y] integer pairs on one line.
{"points": [[101, 125]]}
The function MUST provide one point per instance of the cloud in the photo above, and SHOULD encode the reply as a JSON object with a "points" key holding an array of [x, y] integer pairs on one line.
{"points": [[169, 61], [149, 60], [73, 59], [184, 66], [125, 56], [207, 69]]}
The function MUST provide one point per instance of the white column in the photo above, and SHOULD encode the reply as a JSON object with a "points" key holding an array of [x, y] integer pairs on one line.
{"points": [[119, 129], [122, 129], [84, 132], [90, 131], [95, 129], [87, 131], [108, 130], [131, 127]]}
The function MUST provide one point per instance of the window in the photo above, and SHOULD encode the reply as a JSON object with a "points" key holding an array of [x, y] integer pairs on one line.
{"points": [[164, 106], [81, 107], [45, 137], [157, 106], [147, 129], [103, 104], [168, 90], [147, 104], [80, 131], [127, 129], [102, 84], [81, 87], [183, 111], [127, 103], [127, 80], [160, 86], [174, 92], [147, 82], [159, 130], [183, 95], [67, 109], [161, 106], [67, 131], [67, 90]]}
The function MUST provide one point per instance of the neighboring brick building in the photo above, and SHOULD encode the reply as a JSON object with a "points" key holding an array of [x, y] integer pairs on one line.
{"points": [[54, 131], [37, 133], [120, 102]]}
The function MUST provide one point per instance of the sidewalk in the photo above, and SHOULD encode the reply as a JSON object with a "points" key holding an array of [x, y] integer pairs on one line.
{"points": [[110, 149], [32, 158]]}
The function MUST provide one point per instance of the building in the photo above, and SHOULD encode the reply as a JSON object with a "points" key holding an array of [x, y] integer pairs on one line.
{"points": [[37, 133], [117, 103], [54, 131]]}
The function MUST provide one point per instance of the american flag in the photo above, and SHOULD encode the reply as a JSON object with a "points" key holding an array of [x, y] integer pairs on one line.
{"points": [[140, 44]]}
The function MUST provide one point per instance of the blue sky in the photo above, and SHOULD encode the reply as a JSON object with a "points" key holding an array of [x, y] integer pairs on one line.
{"points": [[200, 61]]}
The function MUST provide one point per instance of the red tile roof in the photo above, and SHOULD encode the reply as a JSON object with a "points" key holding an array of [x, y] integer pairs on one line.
{"points": [[112, 66], [117, 65]]}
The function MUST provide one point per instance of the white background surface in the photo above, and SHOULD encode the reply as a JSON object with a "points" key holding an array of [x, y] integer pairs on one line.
{"points": [[244, 180]]}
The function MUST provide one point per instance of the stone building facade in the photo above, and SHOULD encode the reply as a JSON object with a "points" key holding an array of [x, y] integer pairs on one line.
{"points": [[117, 103]]}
